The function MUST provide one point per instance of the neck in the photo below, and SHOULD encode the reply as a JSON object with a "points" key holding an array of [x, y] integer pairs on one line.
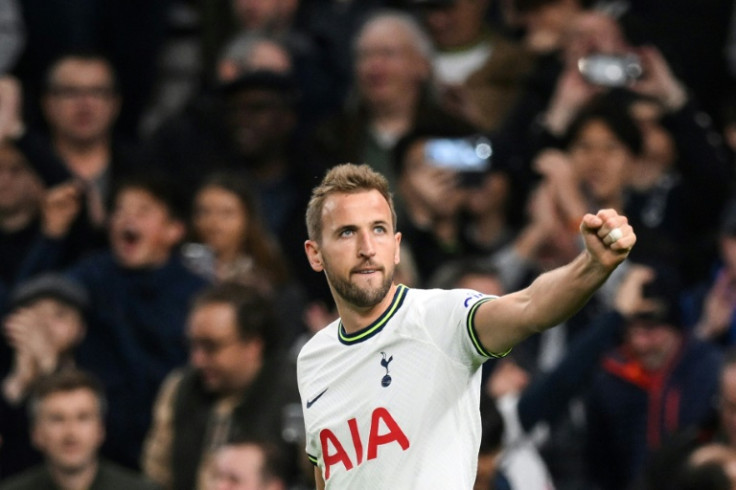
{"points": [[85, 159], [225, 258], [250, 373], [78, 479], [354, 317], [394, 116], [488, 228], [445, 229]]}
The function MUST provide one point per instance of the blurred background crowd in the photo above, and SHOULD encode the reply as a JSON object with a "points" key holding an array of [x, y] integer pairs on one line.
{"points": [[156, 159]]}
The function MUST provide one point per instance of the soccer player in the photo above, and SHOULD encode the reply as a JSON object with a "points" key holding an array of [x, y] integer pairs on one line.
{"points": [[391, 389]]}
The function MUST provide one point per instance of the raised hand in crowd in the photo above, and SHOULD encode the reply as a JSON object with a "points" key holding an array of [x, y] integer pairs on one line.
{"points": [[658, 81], [718, 307], [34, 353], [563, 183], [60, 206], [571, 93], [11, 124]]}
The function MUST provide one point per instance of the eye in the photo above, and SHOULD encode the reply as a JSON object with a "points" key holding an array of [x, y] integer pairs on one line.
{"points": [[379, 229], [346, 233]]}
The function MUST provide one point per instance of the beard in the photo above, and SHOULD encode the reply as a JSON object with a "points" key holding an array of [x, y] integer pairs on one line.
{"points": [[356, 295]]}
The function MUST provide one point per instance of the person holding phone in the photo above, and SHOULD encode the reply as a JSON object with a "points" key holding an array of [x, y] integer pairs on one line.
{"points": [[436, 171]]}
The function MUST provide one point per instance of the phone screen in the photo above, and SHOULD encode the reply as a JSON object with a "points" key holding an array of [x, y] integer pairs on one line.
{"points": [[459, 154]]}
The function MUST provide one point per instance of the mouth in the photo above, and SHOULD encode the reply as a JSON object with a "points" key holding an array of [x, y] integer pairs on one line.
{"points": [[366, 270], [70, 445], [130, 237]]}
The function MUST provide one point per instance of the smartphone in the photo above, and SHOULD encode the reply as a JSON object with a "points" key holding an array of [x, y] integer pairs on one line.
{"points": [[610, 70], [465, 155]]}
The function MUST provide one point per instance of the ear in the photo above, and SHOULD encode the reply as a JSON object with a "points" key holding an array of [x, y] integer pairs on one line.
{"points": [[175, 231], [314, 256], [255, 348], [397, 254], [37, 439], [117, 103]]}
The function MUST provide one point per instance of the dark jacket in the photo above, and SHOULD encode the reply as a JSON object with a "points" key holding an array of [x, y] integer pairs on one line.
{"points": [[109, 477], [630, 412], [259, 414], [135, 337]]}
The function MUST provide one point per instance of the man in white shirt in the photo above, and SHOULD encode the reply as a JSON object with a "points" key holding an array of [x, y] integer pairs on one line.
{"points": [[371, 418]]}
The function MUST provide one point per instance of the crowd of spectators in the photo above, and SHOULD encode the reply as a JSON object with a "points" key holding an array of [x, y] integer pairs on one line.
{"points": [[156, 159]]}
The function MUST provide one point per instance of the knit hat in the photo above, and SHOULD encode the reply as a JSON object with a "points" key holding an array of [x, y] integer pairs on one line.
{"points": [[50, 285]]}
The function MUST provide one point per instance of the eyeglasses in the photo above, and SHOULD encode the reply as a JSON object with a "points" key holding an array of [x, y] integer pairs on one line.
{"points": [[72, 92], [210, 346]]}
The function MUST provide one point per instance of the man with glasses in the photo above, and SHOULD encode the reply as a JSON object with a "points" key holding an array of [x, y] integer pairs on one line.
{"points": [[235, 386], [76, 150]]}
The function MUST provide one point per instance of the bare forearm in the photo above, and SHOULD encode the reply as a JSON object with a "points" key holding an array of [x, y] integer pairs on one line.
{"points": [[552, 298], [558, 294]]}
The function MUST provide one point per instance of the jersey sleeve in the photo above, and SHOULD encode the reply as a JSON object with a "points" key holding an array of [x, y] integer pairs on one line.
{"points": [[312, 444], [451, 325]]}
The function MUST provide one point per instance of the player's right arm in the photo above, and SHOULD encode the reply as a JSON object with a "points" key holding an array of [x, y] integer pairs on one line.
{"points": [[318, 481]]}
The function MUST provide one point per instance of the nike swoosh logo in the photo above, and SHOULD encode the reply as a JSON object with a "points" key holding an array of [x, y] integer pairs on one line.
{"points": [[311, 402]]}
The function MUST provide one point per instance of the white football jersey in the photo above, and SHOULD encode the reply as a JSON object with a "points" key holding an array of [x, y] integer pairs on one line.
{"points": [[396, 405]]}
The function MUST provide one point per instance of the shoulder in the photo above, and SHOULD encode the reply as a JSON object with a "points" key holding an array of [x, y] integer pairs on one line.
{"points": [[114, 477], [98, 264], [173, 382], [35, 478], [444, 299], [186, 277], [703, 353]]}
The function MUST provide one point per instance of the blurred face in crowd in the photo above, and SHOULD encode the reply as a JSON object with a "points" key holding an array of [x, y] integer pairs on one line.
{"points": [[68, 429], [659, 146], [261, 122], [589, 32], [220, 220], [490, 196], [81, 104], [20, 187], [727, 402], [389, 66], [225, 362], [601, 161], [61, 322], [545, 26], [240, 467], [265, 15], [142, 231], [457, 24], [652, 344]]}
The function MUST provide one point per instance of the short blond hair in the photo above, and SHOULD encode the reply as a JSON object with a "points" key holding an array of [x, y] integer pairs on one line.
{"points": [[346, 178]]}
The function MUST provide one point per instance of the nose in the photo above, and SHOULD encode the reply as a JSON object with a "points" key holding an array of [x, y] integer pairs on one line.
{"points": [[197, 356], [366, 247]]}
